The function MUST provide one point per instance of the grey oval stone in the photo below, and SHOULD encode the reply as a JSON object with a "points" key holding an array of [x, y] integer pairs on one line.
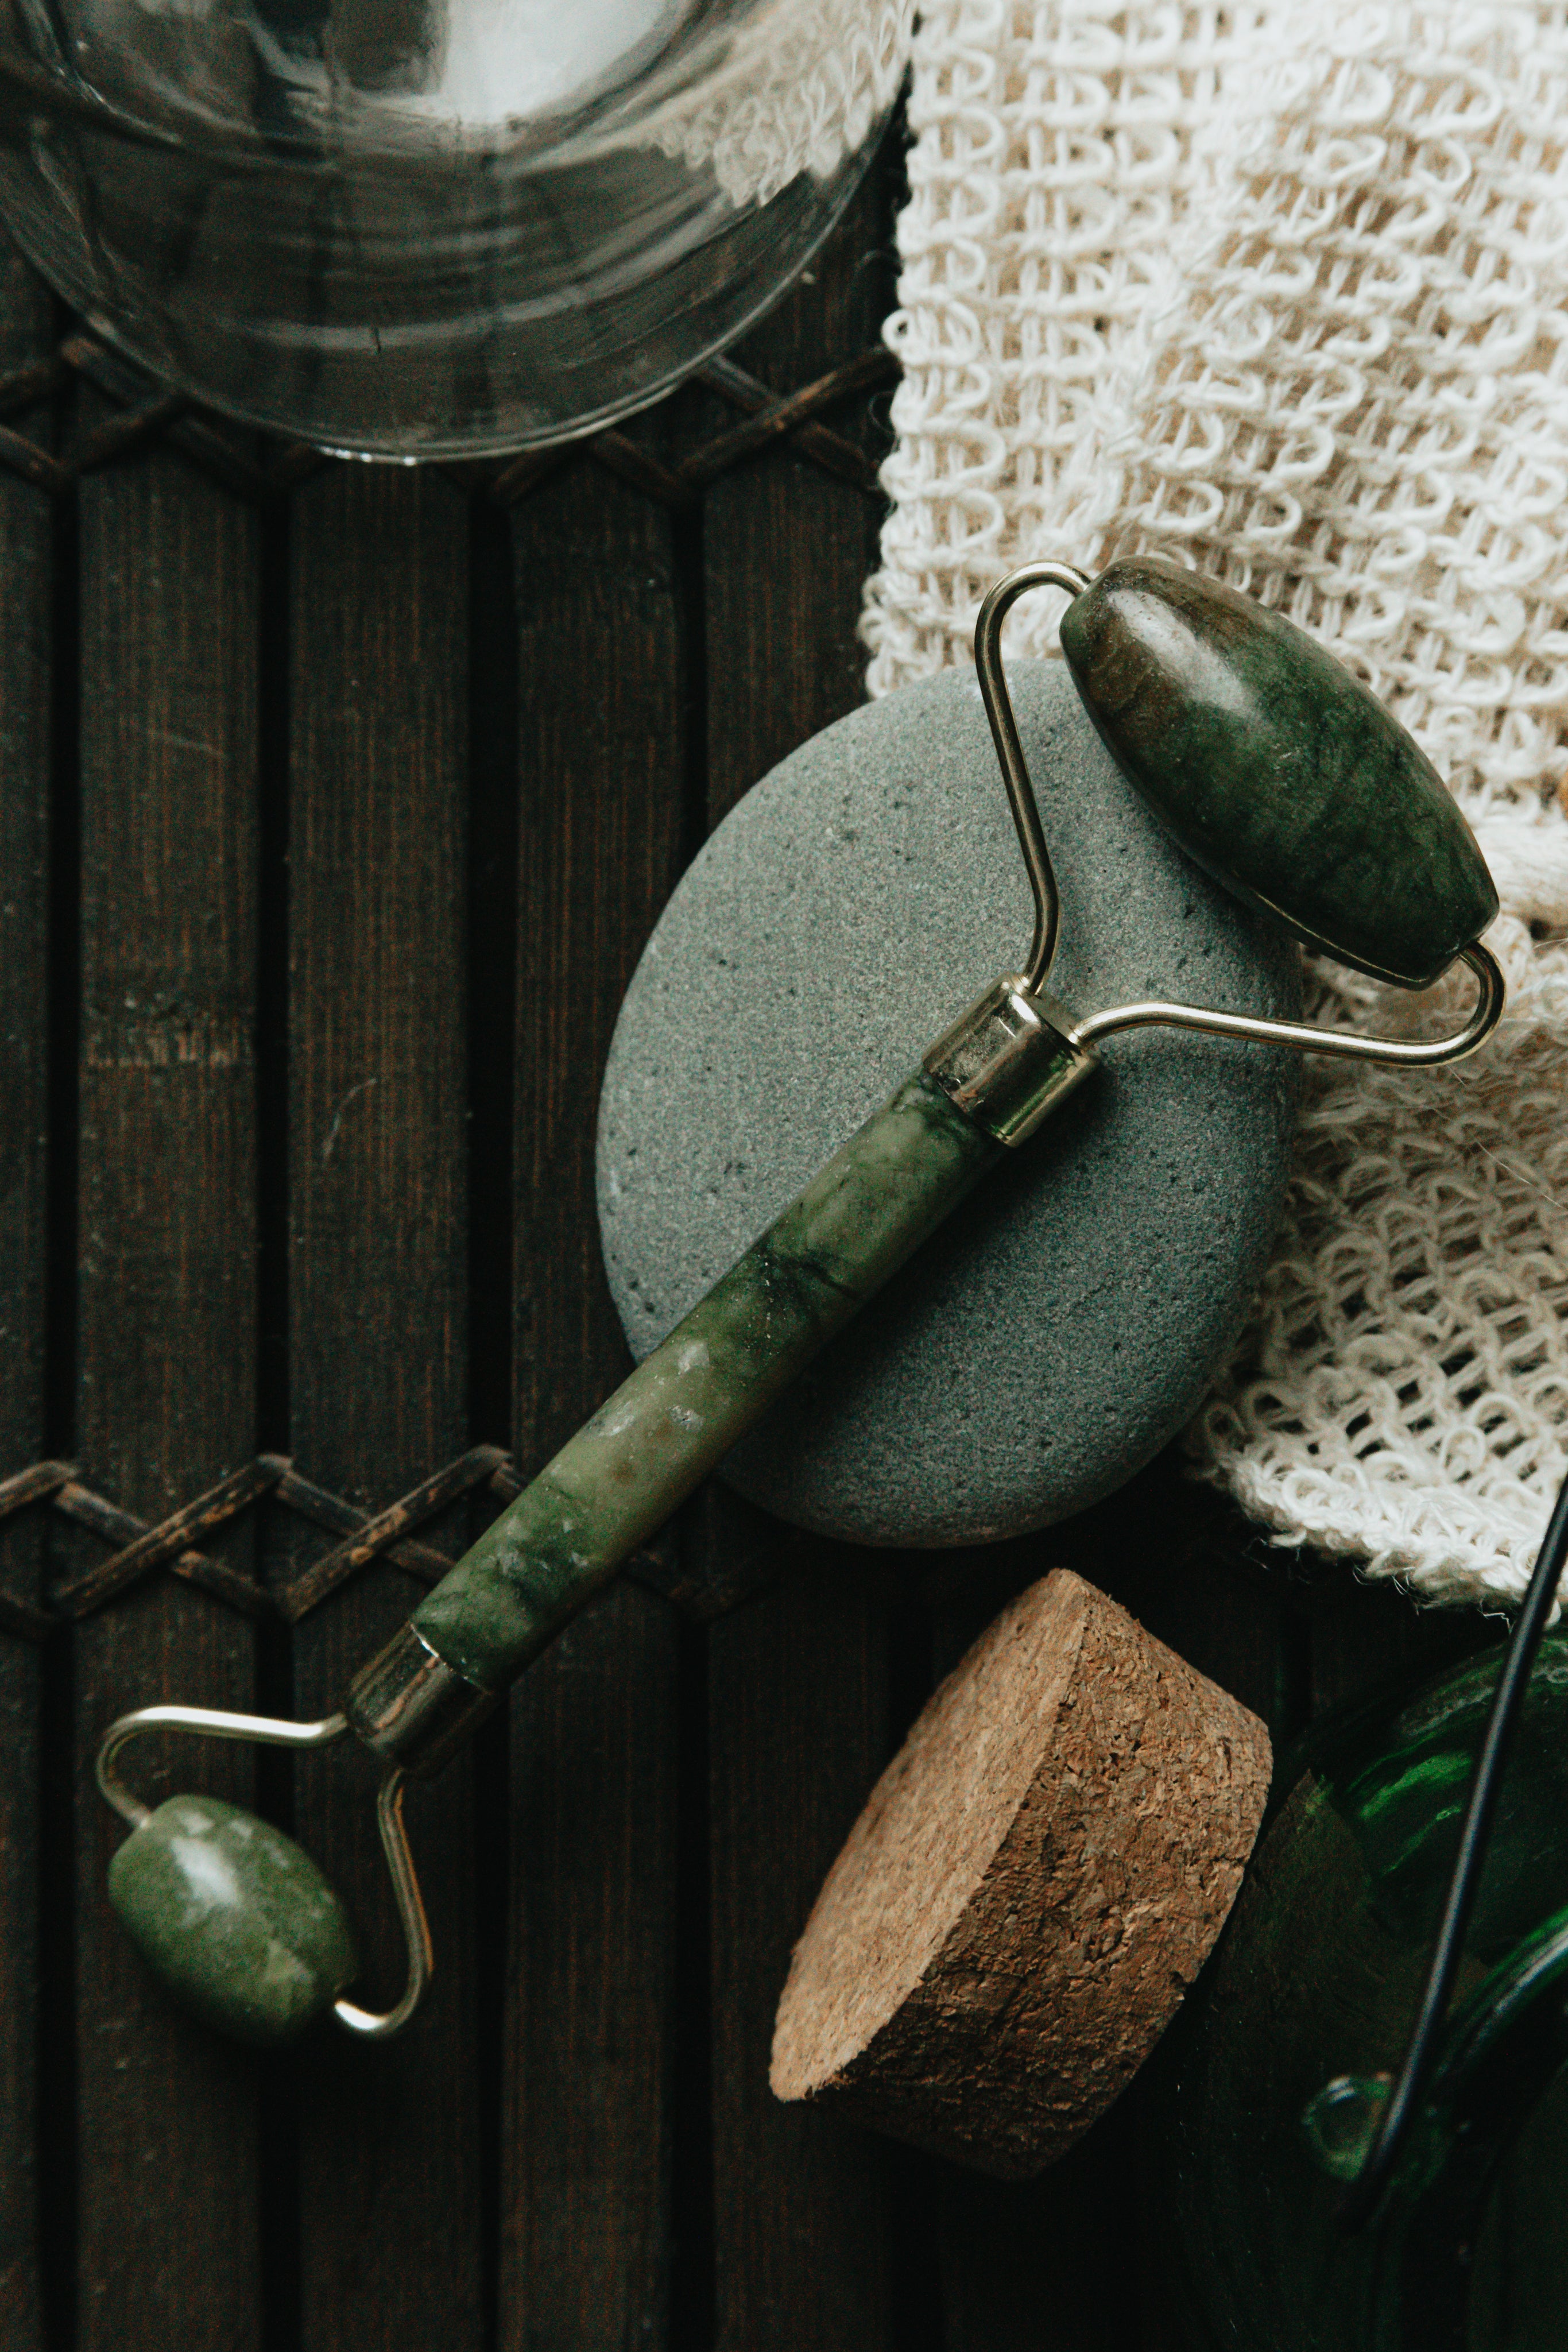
{"points": [[1062, 1328]]}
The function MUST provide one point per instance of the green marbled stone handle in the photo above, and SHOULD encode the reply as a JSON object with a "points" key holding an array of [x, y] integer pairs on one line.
{"points": [[1277, 771], [716, 1374]]}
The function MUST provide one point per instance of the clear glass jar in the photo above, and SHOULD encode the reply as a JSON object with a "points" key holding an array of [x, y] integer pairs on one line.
{"points": [[1282, 2078], [433, 228]]}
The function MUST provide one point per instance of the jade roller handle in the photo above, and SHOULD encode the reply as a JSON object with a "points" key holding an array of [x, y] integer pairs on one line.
{"points": [[987, 1083], [718, 1372]]}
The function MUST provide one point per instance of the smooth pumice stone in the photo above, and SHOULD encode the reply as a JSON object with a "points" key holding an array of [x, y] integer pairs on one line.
{"points": [[234, 1917], [1278, 770], [1064, 1323]]}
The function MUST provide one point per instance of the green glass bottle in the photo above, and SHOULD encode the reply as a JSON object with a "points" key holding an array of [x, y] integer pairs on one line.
{"points": [[1279, 2088]]}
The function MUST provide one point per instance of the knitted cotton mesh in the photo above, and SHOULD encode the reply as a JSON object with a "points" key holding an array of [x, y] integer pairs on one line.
{"points": [[1282, 291]]}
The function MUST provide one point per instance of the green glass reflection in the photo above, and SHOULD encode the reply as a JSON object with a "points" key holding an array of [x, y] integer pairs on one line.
{"points": [[1279, 2084]]}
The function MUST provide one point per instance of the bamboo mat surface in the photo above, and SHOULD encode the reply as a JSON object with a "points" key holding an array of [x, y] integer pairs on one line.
{"points": [[337, 802]]}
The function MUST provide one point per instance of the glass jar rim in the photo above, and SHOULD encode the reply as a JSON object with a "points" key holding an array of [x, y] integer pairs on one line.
{"points": [[35, 93]]}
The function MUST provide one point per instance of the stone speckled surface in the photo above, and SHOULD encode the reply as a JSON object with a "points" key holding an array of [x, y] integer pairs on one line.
{"points": [[1062, 1327], [235, 1917]]}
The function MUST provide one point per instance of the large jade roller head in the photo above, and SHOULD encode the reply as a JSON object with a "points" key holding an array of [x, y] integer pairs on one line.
{"points": [[1277, 771]]}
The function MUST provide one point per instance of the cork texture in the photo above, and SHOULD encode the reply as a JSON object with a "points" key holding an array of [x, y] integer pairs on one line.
{"points": [[1035, 1881]]}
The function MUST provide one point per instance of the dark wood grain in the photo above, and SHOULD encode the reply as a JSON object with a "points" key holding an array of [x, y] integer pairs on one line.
{"points": [[575, 2150], [1046, 2265], [741, 390], [788, 547], [313, 1502], [41, 1479], [587, 2121], [26, 585], [588, 2112], [775, 420], [166, 1338], [380, 1532], [1363, 1636], [796, 1678], [798, 1731], [389, 2179]]}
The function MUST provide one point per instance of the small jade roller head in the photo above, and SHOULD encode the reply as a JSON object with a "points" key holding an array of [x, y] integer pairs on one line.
{"points": [[1277, 771], [235, 1918]]}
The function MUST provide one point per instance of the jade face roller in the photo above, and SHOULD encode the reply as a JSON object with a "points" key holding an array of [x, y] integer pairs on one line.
{"points": [[1277, 772]]}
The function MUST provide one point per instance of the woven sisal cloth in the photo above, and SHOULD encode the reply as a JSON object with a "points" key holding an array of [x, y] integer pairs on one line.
{"points": [[1282, 291]]}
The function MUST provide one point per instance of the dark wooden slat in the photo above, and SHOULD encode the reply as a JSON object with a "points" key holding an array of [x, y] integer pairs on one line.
{"points": [[295, 465], [800, 2206], [787, 548], [165, 1399], [100, 1518], [588, 2084], [213, 445], [818, 442], [22, 455], [637, 463], [390, 2198], [29, 1623], [702, 1587], [588, 2079], [118, 378], [797, 1732], [26, 585], [119, 437], [21, 386], [516, 481], [1046, 2265]]}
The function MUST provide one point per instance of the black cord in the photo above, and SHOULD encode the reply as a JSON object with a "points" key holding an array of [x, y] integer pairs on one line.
{"points": [[1420, 2055]]}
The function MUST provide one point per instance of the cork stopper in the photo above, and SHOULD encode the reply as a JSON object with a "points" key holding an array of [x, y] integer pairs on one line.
{"points": [[1035, 1881]]}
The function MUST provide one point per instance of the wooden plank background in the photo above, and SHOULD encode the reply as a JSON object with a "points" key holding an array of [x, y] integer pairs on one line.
{"points": [[331, 827], [26, 701]]}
